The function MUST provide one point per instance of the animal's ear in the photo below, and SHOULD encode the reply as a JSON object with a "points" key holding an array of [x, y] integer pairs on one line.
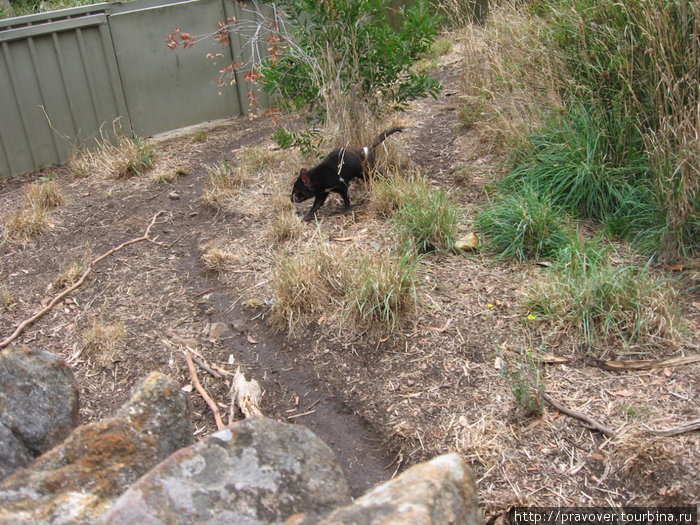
{"points": [[305, 178]]}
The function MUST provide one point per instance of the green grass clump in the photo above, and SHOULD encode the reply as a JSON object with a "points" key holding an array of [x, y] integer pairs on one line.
{"points": [[426, 218], [384, 289], [572, 159], [523, 226], [604, 308]]}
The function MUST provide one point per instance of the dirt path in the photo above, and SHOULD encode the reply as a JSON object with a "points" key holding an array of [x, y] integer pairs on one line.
{"points": [[163, 296]]}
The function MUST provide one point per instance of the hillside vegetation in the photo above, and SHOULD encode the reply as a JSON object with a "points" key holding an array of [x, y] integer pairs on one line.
{"points": [[518, 281]]}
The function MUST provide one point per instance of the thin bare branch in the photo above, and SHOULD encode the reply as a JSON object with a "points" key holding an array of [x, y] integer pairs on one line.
{"points": [[24, 324]]}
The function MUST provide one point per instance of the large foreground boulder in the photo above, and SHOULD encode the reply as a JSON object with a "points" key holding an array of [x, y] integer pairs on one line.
{"points": [[439, 492], [38, 405], [256, 471], [76, 481]]}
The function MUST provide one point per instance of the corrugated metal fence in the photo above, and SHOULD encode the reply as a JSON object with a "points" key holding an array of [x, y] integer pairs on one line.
{"points": [[69, 75]]}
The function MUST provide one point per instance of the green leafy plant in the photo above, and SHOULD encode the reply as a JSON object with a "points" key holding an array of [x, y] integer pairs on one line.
{"points": [[307, 140], [525, 379], [344, 55]]}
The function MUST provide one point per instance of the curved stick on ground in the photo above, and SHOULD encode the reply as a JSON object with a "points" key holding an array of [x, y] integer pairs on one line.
{"points": [[591, 423], [198, 386], [20, 328], [682, 429]]}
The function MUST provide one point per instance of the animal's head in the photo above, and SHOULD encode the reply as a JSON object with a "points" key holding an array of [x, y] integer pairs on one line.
{"points": [[302, 189]]}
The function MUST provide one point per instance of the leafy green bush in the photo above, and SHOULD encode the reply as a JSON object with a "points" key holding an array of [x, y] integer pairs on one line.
{"points": [[523, 225], [345, 53]]}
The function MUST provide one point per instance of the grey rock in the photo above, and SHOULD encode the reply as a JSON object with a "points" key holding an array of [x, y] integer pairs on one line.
{"points": [[256, 471], [439, 492], [79, 479], [216, 330], [38, 405]]}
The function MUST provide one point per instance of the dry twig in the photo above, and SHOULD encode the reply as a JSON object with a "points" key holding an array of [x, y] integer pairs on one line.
{"points": [[591, 423], [645, 364], [20, 328], [674, 431], [212, 405]]}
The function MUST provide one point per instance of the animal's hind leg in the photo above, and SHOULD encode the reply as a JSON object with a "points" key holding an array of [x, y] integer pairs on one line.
{"points": [[343, 192]]}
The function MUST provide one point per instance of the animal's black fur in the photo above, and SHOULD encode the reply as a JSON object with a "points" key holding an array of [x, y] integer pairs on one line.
{"points": [[334, 173]]}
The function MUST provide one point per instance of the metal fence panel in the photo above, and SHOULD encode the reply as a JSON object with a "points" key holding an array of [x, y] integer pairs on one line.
{"points": [[58, 87], [168, 89]]}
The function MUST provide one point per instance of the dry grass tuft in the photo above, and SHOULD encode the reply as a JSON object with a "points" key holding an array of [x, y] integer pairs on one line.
{"points": [[223, 186], [305, 285], [70, 275], [32, 218], [227, 180], [358, 292], [102, 341], [24, 224], [217, 259], [285, 225], [501, 93], [45, 195], [7, 300], [121, 158]]}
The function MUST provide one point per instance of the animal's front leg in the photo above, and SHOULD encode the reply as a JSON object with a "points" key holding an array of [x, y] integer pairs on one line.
{"points": [[318, 202]]}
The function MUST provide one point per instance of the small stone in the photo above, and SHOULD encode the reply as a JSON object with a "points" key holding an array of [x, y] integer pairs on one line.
{"points": [[216, 330]]}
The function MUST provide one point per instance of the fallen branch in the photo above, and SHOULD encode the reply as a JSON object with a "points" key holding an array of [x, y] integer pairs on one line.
{"points": [[79, 282], [644, 364], [591, 423], [245, 394], [197, 358], [198, 386], [674, 431]]}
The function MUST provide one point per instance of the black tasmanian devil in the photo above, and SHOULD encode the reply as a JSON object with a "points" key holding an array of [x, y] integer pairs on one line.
{"points": [[335, 172]]}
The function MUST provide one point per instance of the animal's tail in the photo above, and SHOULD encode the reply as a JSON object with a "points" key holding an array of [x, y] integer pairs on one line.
{"points": [[382, 137]]}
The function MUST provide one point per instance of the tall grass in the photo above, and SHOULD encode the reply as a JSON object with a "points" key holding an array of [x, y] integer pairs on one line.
{"points": [[510, 76], [637, 65]]}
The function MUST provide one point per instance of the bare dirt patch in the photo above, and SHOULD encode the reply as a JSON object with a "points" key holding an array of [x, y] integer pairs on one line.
{"points": [[381, 401]]}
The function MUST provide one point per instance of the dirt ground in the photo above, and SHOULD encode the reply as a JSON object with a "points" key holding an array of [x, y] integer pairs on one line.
{"points": [[381, 402]]}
